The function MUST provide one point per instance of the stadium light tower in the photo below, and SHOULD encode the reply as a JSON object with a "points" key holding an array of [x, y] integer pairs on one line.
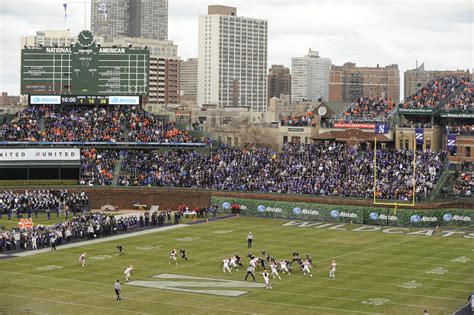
{"points": [[395, 204]]}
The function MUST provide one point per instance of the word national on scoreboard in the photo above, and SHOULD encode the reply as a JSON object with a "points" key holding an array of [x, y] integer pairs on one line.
{"points": [[85, 69]]}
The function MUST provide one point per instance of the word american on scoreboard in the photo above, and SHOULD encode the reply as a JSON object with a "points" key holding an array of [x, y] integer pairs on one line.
{"points": [[83, 100]]}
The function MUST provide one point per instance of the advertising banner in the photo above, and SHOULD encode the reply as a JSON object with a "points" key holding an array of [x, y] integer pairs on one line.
{"points": [[354, 125], [40, 154], [335, 213]]}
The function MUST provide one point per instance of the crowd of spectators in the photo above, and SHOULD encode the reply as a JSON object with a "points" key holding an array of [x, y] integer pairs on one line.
{"points": [[434, 92], [97, 166], [463, 101], [80, 123], [370, 107], [81, 227], [28, 203], [464, 185], [325, 169], [299, 120], [98, 124], [24, 126]]}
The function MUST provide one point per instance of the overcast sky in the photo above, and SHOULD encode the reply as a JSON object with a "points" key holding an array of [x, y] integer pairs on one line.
{"points": [[367, 32]]}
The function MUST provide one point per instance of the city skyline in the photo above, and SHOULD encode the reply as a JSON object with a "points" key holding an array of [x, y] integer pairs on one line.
{"points": [[366, 32]]}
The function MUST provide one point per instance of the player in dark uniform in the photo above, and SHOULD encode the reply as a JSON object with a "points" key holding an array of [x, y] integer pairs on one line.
{"points": [[120, 250], [182, 252], [310, 260], [297, 258], [237, 257]]}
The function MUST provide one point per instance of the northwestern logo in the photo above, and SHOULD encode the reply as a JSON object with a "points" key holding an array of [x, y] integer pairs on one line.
{"points": [[374, 216], [447, 217], [200, 285], [226, 205], [261, 208], [297, 210], [415, 218], [334, 213]]}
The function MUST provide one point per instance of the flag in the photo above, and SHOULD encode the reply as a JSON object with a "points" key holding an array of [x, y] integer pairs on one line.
{"points": [[381, 129], [419, 136], [451, 144], [65, 10]]}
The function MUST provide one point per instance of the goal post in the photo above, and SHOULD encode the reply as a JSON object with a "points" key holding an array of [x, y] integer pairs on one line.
{"points": [[395, 204]]}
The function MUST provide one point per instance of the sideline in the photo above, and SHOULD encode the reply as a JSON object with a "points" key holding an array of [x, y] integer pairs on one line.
{"points": [[100, 240]]}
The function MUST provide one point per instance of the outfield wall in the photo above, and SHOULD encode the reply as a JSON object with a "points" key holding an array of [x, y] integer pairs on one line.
{"points": [[348, 214], [125, 197]]}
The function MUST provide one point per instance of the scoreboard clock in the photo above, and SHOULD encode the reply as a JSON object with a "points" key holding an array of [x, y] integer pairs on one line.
{"points": [[91, 100]]}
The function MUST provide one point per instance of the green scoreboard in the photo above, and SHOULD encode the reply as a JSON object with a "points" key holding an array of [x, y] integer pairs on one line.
{"points": [[85, 69]]}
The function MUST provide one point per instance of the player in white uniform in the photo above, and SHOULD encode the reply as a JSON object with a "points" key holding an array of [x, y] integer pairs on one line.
{"points": [[332, 271], [273, 266], [284, 267], [254, 262], [128, 272], [266, 279], [173, 257], [233, 263], [225, 263], [82, 259], [306, 268]]}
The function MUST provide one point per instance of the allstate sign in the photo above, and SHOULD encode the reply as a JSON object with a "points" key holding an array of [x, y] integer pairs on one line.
{"points": [[261, 208], [334, 213], [226, 205], [415, 218], [447, 217], [124, 100], [374, 216], [297, 210], [45, 99]]}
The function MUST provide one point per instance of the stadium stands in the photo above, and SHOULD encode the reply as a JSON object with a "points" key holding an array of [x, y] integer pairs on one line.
{"points": [[369, 107], [464, 185], [434, 92], [325, 169], [97, 166]]}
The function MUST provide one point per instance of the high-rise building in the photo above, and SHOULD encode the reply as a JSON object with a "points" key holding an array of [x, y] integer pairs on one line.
{"points": [[164, 68], [310, 77], [279, 82], [188, 74], [130, 18], [232, 63], [416, 78], [349, 82]]}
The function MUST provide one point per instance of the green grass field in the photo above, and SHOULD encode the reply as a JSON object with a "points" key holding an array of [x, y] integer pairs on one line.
{"points": [[377, 273]]}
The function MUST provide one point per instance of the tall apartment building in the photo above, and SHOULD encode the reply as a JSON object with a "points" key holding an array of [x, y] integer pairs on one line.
{"points": [[310, 77], [164, 68], [416, 78], [279, 82], [349, 82], [51, 38], [188, 77], [130, 18], [232, 63]]}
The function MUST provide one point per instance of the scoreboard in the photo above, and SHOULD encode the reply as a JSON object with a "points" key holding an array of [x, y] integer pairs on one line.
{"points": [[83, 71]]}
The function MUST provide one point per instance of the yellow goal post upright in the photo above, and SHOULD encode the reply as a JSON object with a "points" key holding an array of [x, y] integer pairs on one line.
{"points": [[395, 204]]}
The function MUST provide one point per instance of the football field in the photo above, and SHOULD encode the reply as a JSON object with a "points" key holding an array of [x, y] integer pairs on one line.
{"points": [[377, 273]]}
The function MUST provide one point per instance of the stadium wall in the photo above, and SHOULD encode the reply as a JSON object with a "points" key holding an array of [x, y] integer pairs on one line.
{"points": [[126, 197]]}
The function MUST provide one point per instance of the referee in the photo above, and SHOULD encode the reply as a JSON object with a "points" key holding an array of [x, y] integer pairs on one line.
{"points": [[249, 240], [117, 288]]}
